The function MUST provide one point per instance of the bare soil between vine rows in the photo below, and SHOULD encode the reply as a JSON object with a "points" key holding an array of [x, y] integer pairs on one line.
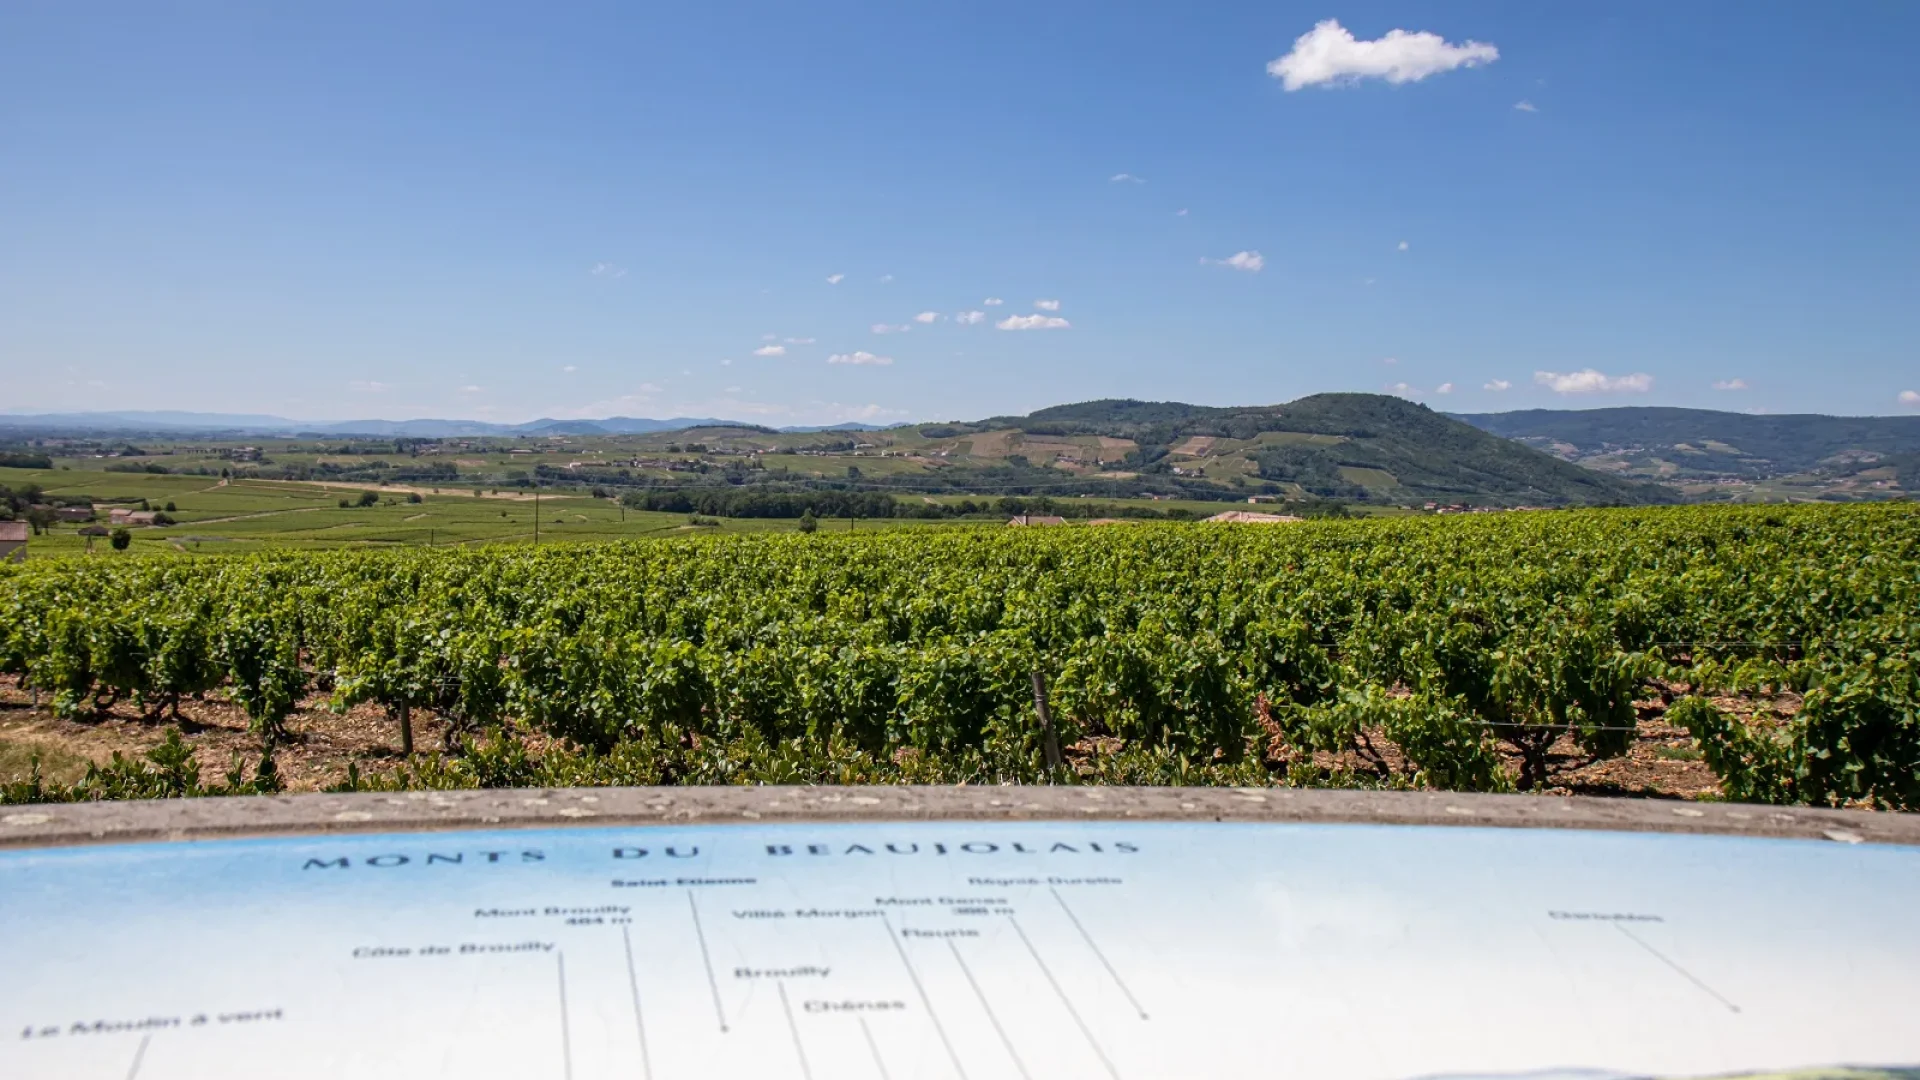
{"points": [[1662, 762]]}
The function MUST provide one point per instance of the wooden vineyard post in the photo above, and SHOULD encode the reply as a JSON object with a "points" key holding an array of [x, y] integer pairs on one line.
{"points": [[1046, 720], [406, 730]]}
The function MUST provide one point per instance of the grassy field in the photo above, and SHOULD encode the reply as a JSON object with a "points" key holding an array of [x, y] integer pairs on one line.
{"points": [[244, 515]]}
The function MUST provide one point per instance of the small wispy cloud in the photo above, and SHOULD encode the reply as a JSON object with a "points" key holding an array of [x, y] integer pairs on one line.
{"points": [[1402, 246], [1125, 178], [1497, 385], [470, 389], [607, 269], [1247, 261], [770, 350], [885, 278], [1730, 384], [367, 386], [1910, 397], [769, 337], [1401, 389], [1182, 212], [1525, 106], [926, 317], [1033, 322], [1047, 305], [799, 341], [992, 301], [1444, 388], [1589, 381], [1329, 55], [889, 328], [970, 318], [860, 357], [835, 279], [1389, 360], [570, 369]]}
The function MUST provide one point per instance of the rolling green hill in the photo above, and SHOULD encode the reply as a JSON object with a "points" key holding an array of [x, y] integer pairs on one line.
{"points": [[1364, 447]]}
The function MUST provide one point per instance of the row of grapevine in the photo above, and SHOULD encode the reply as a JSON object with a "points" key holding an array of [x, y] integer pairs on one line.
{"points": [[1426, 646]]}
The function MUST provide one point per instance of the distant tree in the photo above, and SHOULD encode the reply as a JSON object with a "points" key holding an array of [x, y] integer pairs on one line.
{"points": [[345, 503], [414, 497], [163, 518], [170, 508], [599, 492], [369, 498], [853, 472], [120, 539], [144, 506], [41, 518], [808, 522]]}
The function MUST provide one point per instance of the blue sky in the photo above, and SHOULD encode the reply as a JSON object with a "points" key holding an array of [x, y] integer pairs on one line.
{"points": [[346, 210]]}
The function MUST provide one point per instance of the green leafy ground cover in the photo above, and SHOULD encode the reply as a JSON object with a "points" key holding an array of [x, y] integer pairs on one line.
{"points": [[1449, 652]]}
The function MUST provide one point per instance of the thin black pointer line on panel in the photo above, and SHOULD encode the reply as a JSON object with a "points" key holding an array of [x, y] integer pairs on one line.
{"points": [[707, 961], [878, 1061], [1088, 938], [1684, 973], [986, 1005], [139, 1055], [799, 1051], [566, 1032], [639, 1021], [925, 1002], [1064, 1000]]}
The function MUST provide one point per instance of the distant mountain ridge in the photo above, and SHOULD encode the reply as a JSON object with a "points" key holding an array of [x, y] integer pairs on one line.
{"points": [[174, 422], [1678, 444]]}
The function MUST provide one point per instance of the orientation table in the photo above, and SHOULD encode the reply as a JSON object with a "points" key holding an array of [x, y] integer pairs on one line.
{"points": [[969, 933]]}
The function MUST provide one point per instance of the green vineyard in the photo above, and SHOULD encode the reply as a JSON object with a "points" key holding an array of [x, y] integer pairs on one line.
{"points": [[1442, 652]]}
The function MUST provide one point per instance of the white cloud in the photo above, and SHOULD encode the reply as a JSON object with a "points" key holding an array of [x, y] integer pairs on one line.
{"points": [[843, 413], [884, 278], [570, 369], [1730, 384], [1033, 322], [470, 389], [1444, 388], [859, 357], [367, 386], [727, 362], [1402, 247], [1329, 54], [1497, 385], [1047, 305], [1401, 389], [607, 269], [799, 341], [1389, 360], [1182, 212], [1589, 381], [639, 401], [1526, 106], [1125, 178], [770, 350], [969, 318], [887, 328], [731, 390], [835, 279], [1910, 397], [992, 301], [1249, 261], [926, 317]]}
